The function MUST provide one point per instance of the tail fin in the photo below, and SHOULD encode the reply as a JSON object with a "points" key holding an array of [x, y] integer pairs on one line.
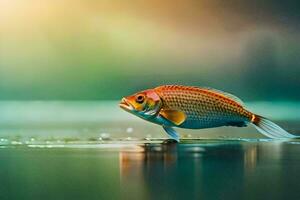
{"points": [[270, 129]]}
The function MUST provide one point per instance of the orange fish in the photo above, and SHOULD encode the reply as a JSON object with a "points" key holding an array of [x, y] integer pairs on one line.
{"points": [[196, 108]]}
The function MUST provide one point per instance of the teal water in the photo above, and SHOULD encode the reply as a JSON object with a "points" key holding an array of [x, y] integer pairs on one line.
{"points": [[93, 150], [209, 169]]}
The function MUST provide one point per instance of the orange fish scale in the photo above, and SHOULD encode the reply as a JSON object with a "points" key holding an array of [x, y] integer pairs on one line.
{"points": [[204, 108]]}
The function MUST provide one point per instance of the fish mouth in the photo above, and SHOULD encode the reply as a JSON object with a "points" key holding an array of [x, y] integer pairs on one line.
{"points": [[124, 104]]}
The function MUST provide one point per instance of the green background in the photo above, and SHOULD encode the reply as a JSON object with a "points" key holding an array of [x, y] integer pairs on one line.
{"points": [[103, 50]]}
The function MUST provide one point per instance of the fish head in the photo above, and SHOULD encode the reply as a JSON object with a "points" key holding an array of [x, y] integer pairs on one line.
{"points": [[145, 104]]}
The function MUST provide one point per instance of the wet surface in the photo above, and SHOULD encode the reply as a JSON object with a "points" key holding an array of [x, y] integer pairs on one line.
{"points": [[198, 169], [94, 150]]}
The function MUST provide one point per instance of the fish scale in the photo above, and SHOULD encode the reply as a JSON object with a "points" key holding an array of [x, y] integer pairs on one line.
{"points": [[203, 108], [196, 108]]}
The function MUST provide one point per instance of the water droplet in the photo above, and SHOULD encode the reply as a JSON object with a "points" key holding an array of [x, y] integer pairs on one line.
{"points": [[105, 136], [198, 149], [128, 138], [4, 141], [15, 142], [148, 137], [129, 130], [157, 148]]}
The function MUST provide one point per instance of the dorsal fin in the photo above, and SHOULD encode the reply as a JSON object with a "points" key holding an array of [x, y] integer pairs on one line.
{"points": [[226, 94]]}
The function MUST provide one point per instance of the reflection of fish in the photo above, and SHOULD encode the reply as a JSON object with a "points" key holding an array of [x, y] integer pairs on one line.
{"points": [[196, 108]]}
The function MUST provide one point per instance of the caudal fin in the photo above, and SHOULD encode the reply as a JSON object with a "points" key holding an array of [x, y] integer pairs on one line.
{"points": [[270, 129]]}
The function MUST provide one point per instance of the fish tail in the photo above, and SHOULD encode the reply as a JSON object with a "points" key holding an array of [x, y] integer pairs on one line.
{"points": [[269, 128]]}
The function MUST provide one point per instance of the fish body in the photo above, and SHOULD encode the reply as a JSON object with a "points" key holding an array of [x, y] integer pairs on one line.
{"points": [[203, 107], [196, 108]]}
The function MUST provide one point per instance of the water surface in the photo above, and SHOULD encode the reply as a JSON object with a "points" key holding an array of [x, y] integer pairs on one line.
{"points": [[92, 150], [209, 169]]}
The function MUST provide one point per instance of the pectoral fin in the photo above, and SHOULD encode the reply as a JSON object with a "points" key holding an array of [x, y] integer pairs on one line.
{"points": [[172, 133], [174, 116]]}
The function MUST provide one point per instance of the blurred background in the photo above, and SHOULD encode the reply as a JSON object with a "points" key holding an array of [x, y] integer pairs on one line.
{"points": [[103, 50], [64, 65]]}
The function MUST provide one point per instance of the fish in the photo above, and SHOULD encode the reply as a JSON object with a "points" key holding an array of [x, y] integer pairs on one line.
{"points": [[192, 107]]}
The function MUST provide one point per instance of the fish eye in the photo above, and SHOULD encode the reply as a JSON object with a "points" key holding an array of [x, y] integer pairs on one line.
{"points": [[140, 98]]}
